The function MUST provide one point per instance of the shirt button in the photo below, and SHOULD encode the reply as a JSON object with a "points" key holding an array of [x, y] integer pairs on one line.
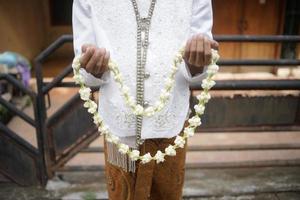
{"points": [[147, 75], [146, 104]]}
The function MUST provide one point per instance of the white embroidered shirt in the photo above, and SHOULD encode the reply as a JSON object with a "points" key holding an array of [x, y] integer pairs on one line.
{"points": [[111, 24]]}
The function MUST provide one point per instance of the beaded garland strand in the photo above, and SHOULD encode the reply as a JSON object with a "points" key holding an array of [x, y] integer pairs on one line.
{"points": [[189, 131], [143, 32]]}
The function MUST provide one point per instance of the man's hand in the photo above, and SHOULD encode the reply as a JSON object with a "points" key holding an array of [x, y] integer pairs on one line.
{"points": [[94, 60], [198, 52]]}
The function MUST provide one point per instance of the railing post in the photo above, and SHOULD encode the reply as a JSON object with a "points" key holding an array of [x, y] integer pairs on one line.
{"points": [[39, 134], [41, 116], [43, 138]]}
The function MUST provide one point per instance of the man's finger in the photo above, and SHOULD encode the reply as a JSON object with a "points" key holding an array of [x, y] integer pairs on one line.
{"points": [[187, 49], [105, 61], [207, 52], [85, 47], [99, 64], [200, 51], [93, 61], [193, 50], [86, 57]]}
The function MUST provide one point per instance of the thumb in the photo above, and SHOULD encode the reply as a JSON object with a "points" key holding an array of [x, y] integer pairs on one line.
{"points": [[214, 45]]}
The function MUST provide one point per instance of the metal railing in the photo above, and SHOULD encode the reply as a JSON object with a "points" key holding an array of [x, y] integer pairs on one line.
{"points": [[221, 85], [257, 84], [44, 87], [36, 153]]}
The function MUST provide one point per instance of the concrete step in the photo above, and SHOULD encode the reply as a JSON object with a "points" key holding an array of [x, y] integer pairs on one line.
{"points": [[220, 150], [214, 146], [212, 159], [287, 139]]}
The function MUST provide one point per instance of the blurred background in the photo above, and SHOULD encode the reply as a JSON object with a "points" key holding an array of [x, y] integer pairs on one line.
{"points": [[248, 146], [28, 27]]}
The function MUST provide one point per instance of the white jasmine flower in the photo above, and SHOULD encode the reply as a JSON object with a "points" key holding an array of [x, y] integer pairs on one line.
{"points": [[77, 59], [76, 63], [92, 110], [75, 66], [169, 82], [103, 129], [207, 84], [215, 56], [125, 94], [204, 96], [138, 110], [164, 95], [118, 77], [123, 148], [125, 90], [159, 105], [178, 57], [170, 151], [92, 107], [146, 158], [212, 69], [131, 102], [149, 111], [97, 119], [189, 132], [199, 108], [86, 104], [159, 157], [114, 139], [85, 93], [112, 65], [134, 155], [195, 121], [108, 138], [174, 68], [78, 78], [90, 104], [179, 141]]}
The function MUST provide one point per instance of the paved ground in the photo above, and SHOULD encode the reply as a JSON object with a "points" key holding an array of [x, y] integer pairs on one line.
{"points": [[281, 183]]}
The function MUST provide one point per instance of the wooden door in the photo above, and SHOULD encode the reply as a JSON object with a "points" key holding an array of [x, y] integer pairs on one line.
{"points": [[226, 21], [261, 18], [248, 17]]}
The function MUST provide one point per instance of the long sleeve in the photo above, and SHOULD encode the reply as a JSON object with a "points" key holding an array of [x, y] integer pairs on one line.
{"points": [[201, 22], [83, 33]]}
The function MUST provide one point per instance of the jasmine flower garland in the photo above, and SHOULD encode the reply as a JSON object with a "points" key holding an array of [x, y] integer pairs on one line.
{"points": [[189, 131]]}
